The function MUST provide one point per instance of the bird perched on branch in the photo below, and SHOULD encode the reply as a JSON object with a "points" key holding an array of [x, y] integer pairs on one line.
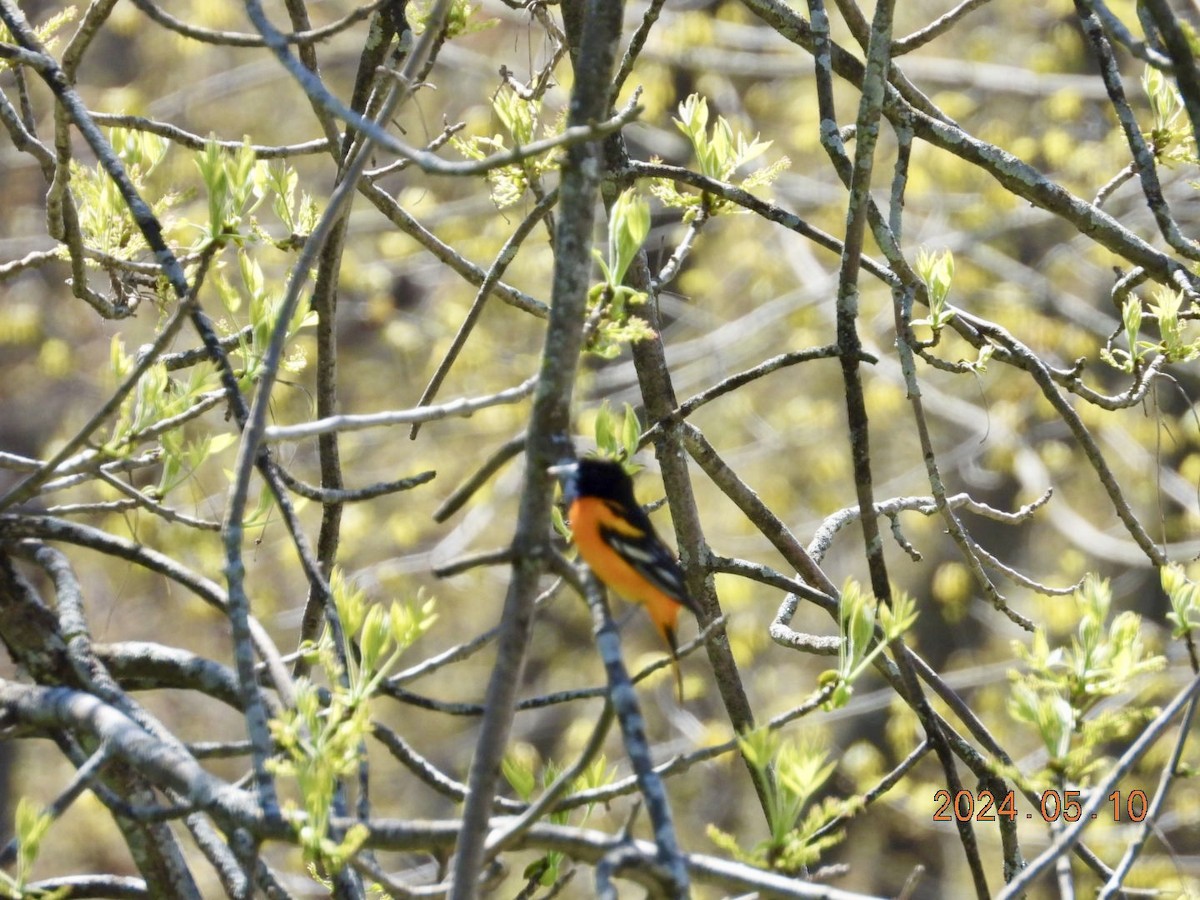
{"points": [[618, 542]]}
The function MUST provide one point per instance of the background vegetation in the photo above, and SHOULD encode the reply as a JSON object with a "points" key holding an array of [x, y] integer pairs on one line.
{"points": [[895, 306]]}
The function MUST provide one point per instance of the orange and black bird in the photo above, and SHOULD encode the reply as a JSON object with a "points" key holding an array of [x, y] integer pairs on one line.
{"points": [[617, 541]]}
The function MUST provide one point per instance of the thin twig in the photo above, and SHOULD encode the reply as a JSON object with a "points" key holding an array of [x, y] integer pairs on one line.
{"points": [[936, 28], [503, 259], [464, 492], [464, 407], [1151, 818]]}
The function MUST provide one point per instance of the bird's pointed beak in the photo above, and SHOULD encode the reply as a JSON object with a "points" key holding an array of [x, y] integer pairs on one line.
{"points": [[563, 469]]}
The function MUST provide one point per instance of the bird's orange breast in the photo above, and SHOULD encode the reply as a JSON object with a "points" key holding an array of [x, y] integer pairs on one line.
{"points": [[588, 516]]}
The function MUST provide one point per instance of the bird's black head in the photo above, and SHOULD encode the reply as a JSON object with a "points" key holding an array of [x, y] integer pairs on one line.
{"points": [[592, 477]]}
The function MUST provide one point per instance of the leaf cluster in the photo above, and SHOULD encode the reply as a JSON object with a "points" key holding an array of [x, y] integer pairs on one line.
{"points": [[321, 739], [719, 153], [795, 772], [1062, 692]]}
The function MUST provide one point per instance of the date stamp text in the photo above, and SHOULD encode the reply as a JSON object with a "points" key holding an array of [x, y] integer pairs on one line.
{"points": [[967, 806]]}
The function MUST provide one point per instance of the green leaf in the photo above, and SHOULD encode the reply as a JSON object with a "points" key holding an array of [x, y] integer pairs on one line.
{"points": [[520, 116], [374, 639], [519, 768], [721, 153], [759, 747], [1131, 318], [631, 432], [937, 271], [412, 619], [1165, 307], [628, 226], [597, 774], [559, 523], [899, 616], [857, 620], [31, 824], [216, 183], [350, 601], [605, 434], [1184, 595]]}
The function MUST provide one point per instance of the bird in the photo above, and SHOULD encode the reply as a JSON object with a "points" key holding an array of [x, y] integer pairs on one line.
{"points": [[618, 542]]}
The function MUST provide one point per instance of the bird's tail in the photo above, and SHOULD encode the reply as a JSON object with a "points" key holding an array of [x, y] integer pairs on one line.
{"points": [[668, 634]]}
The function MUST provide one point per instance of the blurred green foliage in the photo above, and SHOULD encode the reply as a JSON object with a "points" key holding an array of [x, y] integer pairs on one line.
{"points": [[1021, 77]]}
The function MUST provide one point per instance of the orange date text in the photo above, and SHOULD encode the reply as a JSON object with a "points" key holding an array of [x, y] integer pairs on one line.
{"points": [[984, 806]]}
